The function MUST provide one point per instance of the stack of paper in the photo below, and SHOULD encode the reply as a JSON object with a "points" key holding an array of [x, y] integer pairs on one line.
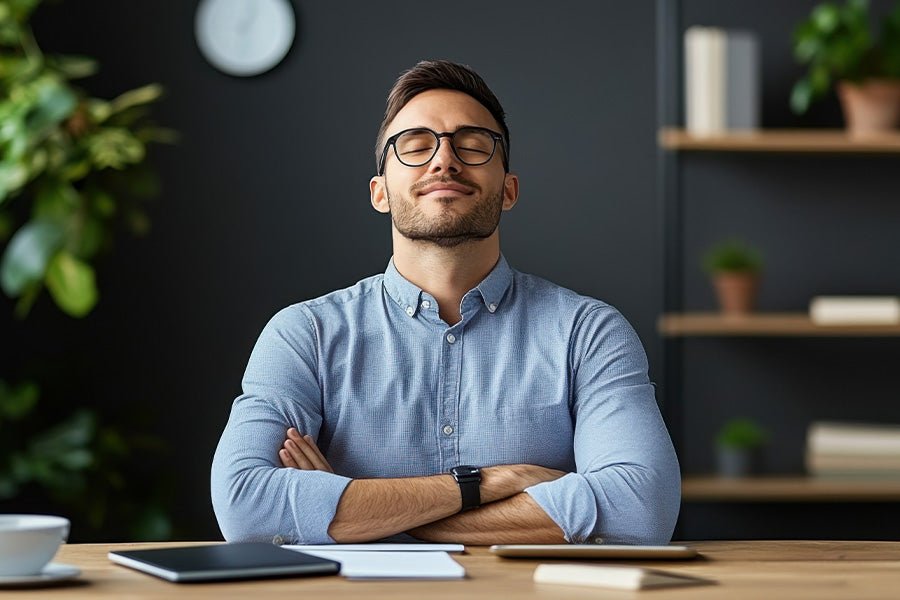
{"points": [[847, 449], [721, 83], [855, 310], [624, 578], [391, 561]]}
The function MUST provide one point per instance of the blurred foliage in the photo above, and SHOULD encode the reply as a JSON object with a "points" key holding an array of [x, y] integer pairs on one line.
{"points": [[77, 161], [72, 172], [80, 464], [836, 43], [732, 255]]}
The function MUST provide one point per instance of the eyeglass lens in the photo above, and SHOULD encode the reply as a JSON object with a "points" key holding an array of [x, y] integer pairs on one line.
{"points": [[472, 146]]}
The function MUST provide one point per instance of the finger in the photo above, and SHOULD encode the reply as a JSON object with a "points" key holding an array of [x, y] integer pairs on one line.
{"points": [[323, 462], [298, 455], [286, 459], [308, 447]]}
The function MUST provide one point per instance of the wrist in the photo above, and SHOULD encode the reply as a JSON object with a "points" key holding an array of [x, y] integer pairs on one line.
{"points": [[468, 478]]}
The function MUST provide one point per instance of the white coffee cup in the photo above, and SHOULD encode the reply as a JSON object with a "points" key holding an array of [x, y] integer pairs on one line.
{"points": [[28, 542]]}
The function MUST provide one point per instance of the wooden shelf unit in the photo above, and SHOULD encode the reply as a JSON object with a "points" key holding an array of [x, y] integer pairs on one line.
{"points": [[762, 324], [797, 488], [818, 141]]}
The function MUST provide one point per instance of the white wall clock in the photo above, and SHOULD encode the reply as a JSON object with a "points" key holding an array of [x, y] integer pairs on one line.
{"points": [[244, 37]]}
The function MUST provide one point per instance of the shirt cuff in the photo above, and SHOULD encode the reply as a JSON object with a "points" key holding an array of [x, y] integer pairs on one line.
{"points": [[313, 498], [570, 502]]}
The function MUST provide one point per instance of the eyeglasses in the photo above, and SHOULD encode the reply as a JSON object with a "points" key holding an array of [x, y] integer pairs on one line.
{"points": [[473, 146]]}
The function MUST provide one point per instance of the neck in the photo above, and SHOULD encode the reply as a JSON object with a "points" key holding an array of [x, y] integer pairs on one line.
{"points": [[446, 273]]}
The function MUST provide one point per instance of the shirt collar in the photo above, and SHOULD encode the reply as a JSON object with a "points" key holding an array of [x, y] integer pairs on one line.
{"points": [[408, 296]]}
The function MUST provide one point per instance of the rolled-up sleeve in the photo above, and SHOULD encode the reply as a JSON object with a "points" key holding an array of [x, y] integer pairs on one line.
{"points": [[627, 488], [254, 497]]}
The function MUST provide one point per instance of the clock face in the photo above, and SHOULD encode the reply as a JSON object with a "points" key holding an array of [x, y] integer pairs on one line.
{"points": [[244, 37]]}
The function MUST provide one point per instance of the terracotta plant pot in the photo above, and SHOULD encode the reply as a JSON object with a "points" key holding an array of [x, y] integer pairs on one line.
{"points": [[736, 291], [870, 107]]}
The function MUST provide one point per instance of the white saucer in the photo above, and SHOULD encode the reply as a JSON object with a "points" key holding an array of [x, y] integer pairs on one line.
{"points": [[52, 573]]}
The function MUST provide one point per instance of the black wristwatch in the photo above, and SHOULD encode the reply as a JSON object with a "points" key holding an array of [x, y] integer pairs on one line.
{"points": [[469, 480]]}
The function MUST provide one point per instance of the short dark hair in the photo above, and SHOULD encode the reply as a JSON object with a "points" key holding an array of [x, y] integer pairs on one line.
{"points": [[441, 75]]}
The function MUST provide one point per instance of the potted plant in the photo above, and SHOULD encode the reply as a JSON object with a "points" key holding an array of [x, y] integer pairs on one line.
{"points": [[738, 447], [836, 44], [734, 267]]}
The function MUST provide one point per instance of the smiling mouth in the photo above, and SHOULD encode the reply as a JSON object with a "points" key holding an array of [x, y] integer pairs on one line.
{"points": [[446, 193]]}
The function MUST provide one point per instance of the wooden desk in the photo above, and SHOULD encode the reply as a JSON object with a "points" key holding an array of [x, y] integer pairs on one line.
{"points": [[743, 570]]}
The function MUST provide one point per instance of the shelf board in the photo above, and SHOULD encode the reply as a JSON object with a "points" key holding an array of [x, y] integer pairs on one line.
{"points": [[762, 324], [818, 141], [798, 488]]}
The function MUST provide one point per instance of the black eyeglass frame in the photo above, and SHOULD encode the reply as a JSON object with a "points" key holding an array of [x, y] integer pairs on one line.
{"points": [[497, 137]]}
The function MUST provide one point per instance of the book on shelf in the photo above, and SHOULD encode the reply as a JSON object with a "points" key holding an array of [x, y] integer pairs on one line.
{"points": [[847, 449], [876, 439], [721, 84], [855, 310]]}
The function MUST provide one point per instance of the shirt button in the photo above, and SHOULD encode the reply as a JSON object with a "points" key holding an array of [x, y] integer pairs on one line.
{"points": [[426, 304], [410, 310], [598, 540], [278, 540], [492, 307], [451, 338], [447, 430]]}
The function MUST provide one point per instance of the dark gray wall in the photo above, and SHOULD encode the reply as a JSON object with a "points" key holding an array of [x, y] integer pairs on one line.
{"points": [[265, 201], [258, 212], [825, 225]]}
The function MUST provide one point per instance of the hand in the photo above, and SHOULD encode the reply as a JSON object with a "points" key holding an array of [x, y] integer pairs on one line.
{"points": [[301, 452], [503, 481]]}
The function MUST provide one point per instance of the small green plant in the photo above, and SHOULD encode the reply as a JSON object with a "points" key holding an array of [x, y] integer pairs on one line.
{"points": [[741, 433], [836, 44], [732, 256]]}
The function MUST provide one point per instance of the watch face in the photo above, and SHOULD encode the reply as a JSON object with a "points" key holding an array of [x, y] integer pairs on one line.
{"points": [[465, 471], [244, 37]]}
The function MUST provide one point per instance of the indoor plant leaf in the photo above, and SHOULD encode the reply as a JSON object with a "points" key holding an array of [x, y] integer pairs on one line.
{"points": [[28, 254], [72, 284], [55, 102]]}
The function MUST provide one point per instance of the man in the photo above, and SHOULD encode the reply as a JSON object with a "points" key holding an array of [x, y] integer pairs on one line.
{"points": [[451, 398]]}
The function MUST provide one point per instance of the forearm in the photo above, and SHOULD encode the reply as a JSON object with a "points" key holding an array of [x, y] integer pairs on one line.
{"points": [[515, 520], [372, 509]]}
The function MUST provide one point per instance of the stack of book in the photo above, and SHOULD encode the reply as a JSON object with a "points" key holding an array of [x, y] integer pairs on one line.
{"points": [[721, 85], [853, 450], [855, 310]]}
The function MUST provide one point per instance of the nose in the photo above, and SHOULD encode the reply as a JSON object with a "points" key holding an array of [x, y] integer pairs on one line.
{"points": [[444, 159]]}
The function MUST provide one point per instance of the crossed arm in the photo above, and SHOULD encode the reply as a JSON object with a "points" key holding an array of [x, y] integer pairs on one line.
{"points": [[428, 507]]}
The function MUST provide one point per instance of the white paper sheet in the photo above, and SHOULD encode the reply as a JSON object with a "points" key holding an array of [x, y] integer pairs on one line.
{"points": [[381, 547], [356, 564]]}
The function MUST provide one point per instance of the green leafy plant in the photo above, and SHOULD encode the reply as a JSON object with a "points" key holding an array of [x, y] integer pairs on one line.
{"points": [[76, 161], [836, 44], [732, 256], [72, 172], [741, 433]]}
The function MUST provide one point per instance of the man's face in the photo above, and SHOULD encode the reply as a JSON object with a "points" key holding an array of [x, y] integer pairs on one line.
{"points": [[445, 201]]}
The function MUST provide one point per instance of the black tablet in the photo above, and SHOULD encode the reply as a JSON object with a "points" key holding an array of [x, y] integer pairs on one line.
{"points": [[224, 561]]}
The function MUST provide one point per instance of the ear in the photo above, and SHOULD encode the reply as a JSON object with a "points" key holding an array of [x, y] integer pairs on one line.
{"points": [[378, 194], [510, 191]]}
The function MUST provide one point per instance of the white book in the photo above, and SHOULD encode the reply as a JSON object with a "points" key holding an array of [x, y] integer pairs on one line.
{"points": [[721, 85], [855, 310], [623, 578], [853, 439]]}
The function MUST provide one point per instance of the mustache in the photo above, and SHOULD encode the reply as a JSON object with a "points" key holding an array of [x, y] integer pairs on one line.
{"points": [[444, 179]]}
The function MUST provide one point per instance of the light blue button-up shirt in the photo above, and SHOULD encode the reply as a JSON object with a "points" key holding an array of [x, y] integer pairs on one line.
{"points": [[533, 373]]}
